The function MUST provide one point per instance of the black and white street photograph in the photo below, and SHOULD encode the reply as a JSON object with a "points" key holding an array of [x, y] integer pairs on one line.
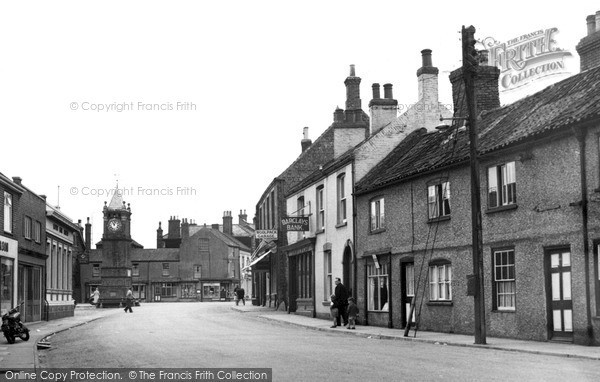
{"points": [[299, 191]]}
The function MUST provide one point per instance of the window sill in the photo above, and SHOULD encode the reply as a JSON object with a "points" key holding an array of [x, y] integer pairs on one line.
{"points": [[340, 225], [439, 303], [319, 231], [326, 303], [375, 232], [501, 208], [440, 219], [504, 311]]}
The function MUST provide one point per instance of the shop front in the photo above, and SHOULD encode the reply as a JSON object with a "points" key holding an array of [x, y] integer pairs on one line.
{"points": [[9, 249]]}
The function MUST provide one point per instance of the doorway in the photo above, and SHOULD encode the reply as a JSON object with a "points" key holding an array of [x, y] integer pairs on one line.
{"points": [[348, 271], [407, 292], [30, 293], [559, 298]]}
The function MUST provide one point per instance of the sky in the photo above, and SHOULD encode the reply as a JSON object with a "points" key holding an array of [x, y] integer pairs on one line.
{"points": [[194, 107]]}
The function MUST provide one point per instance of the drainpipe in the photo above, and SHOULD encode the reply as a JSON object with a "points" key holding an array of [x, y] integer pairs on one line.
{"points": [[580, 134]]}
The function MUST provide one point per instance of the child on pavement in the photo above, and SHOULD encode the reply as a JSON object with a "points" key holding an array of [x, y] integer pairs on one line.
{"points": [[352, 313], [334, 311]]}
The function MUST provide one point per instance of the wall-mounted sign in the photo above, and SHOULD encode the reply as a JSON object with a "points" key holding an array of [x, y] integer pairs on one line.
{"points": [[377, 266], [267, 234], [295, 223]]}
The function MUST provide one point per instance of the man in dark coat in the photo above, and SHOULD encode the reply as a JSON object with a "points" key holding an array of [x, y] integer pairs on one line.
{"points": [[240, 294], [341, 297]]}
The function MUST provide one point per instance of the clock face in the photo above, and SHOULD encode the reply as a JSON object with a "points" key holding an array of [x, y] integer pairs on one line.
{"points": [[115, 225]]}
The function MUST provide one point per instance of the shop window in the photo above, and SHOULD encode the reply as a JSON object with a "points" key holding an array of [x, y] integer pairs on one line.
{"points": [[378, 287]]}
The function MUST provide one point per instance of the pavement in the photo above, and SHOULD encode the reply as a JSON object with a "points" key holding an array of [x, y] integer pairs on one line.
{"points": [[445, 339], [24, 355]]}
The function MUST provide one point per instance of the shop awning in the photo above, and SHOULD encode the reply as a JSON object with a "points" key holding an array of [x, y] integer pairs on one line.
{"points": [[259, 258]]}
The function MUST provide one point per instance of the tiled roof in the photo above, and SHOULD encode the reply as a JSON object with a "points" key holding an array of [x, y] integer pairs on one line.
{"points": [[160, 254], [575, 99], [229, 240]]}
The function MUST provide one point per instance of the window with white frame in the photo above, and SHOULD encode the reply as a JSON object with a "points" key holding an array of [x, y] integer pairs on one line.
{"points": [[377, 214], [165, 269], [320, 208], [8, 212], [328, 277], [378, 287], [438, 200], [341, 199], [502, 185], [410, 280], [197, 271], [440, 281], [505, 288], [167, 290], [27, 227], [135, 269]]}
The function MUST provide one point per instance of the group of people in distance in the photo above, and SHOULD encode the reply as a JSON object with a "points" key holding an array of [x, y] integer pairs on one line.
{"points": [[343, 306]]}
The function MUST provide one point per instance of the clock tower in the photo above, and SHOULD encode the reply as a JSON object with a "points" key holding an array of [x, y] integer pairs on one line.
{"points": [[116, 250]]}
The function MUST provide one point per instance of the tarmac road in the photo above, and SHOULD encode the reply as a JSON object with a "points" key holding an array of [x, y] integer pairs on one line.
{"points": [[211, 335]]}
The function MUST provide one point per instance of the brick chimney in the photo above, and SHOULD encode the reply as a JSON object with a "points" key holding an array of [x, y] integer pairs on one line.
{"points": [[185, 229], [88, 234], [352, 90], [382, 110], [486, 89], [589, 46], [215, 226], [351, 126], [159, 237], [242, 217], [227, 223], [306, 142], [427, 76], [174, 228], [17, 180]]}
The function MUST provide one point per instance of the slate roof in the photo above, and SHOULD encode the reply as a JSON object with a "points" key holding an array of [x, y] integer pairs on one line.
{"points": [[573, 100], [229, 240]]}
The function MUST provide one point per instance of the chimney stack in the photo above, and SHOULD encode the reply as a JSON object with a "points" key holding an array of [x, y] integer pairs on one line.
{"points": [[17, 180], [185, 229], [306, 142], [88, 234], [486, 90], [352, 90], [159, 237], [589, 46], [227, 223], [383, 110], [427, 76], [215, 226], [174, 228], [242, 217]]}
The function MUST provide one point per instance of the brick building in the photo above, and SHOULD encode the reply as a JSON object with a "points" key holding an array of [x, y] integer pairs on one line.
{"points": [[191, 263], [540, 166], [326, 195]]}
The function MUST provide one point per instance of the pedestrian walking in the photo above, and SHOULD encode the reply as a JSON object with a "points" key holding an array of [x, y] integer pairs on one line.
{"points": [[128, 301], [334, 310], [95, 296], [341, 298], [240, 296], [352, 313]]}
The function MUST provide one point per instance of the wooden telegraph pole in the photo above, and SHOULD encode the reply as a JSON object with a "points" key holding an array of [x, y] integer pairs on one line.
{"points": [[470, 63]]}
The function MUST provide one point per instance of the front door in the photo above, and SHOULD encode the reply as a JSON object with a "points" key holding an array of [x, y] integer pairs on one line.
{"points": [[30, 293], [293, 287], [559, 297], [348, 274], [407, 292]]}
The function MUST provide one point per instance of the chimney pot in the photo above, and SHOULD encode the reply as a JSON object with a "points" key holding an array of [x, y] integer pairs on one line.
{"points": [[387, 91], [426, 57], [352, 71], [376, 92]]}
